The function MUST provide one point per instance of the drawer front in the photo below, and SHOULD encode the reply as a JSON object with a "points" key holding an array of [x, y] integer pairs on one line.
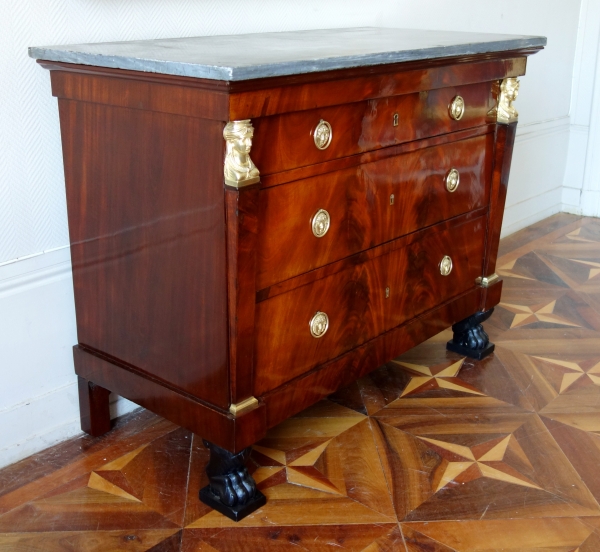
{"points": [[284, 142], [360, 208], [357, 305]]}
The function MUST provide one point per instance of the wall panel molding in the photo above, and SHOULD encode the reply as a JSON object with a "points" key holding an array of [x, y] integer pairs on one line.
{"points": [[535, 186], [45, 420], [38, 398]]}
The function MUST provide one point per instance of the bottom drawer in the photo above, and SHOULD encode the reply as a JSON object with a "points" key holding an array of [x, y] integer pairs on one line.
{"points": [[361, 302]]}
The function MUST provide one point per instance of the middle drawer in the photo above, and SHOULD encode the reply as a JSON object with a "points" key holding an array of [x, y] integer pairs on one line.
{"points": [[367, 205]]}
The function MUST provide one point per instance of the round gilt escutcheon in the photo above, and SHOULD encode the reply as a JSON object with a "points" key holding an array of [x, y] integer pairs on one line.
{"points": [[320, 223], [452, 180], [445, 266], [323, 135], [319, 324], [457, 108]]}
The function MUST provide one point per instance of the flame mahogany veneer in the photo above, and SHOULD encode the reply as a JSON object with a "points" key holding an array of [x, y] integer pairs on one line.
{"points": [[192, 296]]}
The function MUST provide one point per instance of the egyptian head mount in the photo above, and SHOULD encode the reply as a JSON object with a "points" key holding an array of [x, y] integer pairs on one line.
{"points": [[239, 169], [509, 90]]}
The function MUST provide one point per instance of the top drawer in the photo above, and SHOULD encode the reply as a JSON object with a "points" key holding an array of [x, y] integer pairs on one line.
{"points": [[284, 142]]}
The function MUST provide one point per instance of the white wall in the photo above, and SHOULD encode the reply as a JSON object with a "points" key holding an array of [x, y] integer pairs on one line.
{"points": [[38, 401], [581, 186]]}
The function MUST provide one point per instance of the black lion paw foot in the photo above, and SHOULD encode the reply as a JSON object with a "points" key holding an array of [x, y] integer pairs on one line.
{"points": [[469, 337], [475, 338], [235, 488], [231, 490]]}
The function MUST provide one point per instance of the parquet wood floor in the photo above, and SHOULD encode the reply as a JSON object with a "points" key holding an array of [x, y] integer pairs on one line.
{"points": [[431, 452]]}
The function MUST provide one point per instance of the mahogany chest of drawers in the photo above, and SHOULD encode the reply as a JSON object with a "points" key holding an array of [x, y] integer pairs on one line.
{"points": [[247, 239]]}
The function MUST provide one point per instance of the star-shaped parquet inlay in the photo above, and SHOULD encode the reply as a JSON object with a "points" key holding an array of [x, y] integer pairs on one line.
{"points": [[440, 376], [531, 267], [594, 267], [498, 464], [462, 464], [508, 270], [307, 470], [137, 491], [113, 478], [319, 468], [304, 460], [575, 235], [565, 375], [525, 315]]}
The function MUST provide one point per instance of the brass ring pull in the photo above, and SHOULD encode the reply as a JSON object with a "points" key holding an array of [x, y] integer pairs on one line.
{"points": [[319, 324], [452, 180], [320, 223], [323, 135], [445, 266], [457, 108]]}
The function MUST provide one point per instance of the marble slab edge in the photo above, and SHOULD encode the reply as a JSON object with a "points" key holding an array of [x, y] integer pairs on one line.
{"points": [[225, 73]]}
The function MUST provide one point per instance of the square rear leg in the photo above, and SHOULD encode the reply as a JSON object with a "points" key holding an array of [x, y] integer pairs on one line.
{"points": [[93, 408]]}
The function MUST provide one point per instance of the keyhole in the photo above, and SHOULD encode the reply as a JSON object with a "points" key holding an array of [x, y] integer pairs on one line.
{"points": [[387, 292], [392, 199], [396, 119]]}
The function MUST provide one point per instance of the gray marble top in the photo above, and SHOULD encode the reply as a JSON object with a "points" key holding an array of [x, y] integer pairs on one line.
{"points": [[253, 56]]}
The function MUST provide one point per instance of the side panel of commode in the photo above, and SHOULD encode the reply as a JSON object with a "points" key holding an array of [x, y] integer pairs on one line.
{"points": [[147, 228]]}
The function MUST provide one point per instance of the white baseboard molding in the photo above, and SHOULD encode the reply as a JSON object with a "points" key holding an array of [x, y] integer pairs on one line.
{"points": [[45, 421], [38, 423], [38, 401], [575, 169], [530, 211], [535, 188], [571, 209], [571, 200]]}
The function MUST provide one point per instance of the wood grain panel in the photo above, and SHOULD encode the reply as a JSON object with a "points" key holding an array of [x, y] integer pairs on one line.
{"points": [[503, 150], [316, 384], [147, 229], [359, 204], [242, 228], [268, 181], [285, 142], [225, 101], [218, 426], [502, 156], [264, 97], [363, 256], [355, 301], [137, 90]]}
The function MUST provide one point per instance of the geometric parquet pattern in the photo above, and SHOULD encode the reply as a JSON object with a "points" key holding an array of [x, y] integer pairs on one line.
{"points": [[431, 452]]}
